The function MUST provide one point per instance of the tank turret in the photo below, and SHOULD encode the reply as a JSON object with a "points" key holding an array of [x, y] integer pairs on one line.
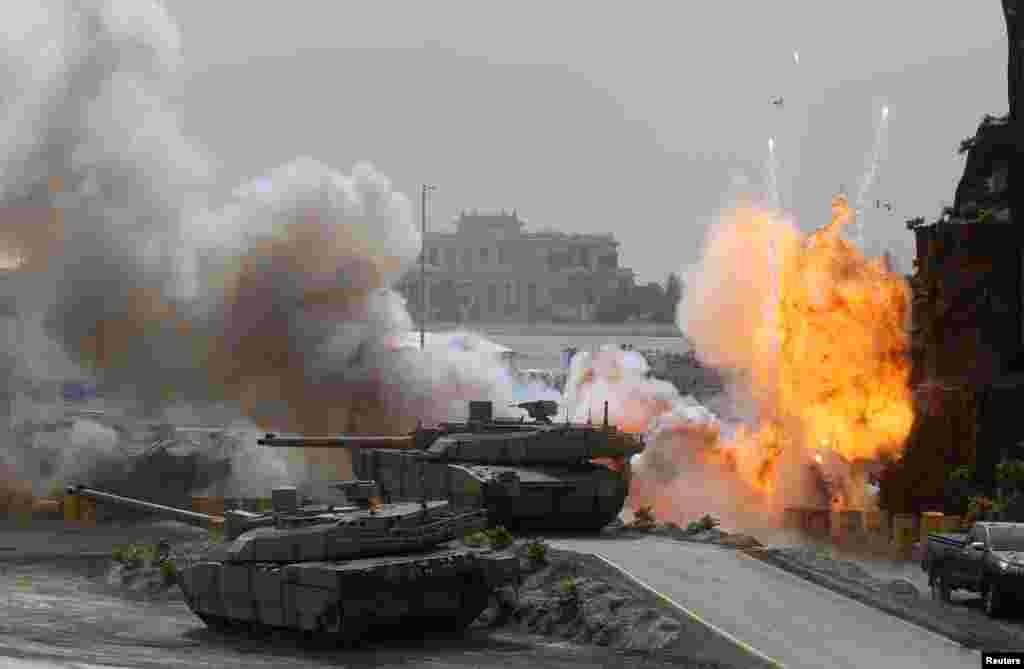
{"points": [[337, 569], [537, 474]]}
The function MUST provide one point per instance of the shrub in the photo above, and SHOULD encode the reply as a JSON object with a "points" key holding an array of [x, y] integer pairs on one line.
{"points": [[569, 589], [1010, 474], [135, 555], [980, 508], [499, 537], [961, 473], [475, 539], [536, 552], [169, 571]]}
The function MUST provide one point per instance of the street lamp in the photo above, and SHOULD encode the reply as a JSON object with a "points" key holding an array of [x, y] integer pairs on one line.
{"points": [[426, 188]]}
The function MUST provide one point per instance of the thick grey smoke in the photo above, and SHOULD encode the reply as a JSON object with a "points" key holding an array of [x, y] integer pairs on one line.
{"points": [[277, 303]]}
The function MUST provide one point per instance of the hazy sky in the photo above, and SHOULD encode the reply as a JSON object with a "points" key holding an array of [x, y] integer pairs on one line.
{"points": [[603, 117]]}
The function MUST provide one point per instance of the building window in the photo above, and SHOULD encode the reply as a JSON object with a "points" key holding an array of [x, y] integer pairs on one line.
{"points": [[434, 256], [502, 255], [450, 257], [492, 299], [467, 259], [485, 256]]}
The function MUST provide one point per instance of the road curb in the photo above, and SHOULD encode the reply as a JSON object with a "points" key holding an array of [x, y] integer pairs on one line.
{"points": [[738, 653], [860, 593]]}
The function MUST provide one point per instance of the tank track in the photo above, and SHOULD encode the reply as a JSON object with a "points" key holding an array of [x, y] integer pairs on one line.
{"points": [[443, 591]]}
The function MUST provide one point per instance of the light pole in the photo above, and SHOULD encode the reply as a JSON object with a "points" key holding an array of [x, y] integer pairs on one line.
{"points": [[426, 188]]}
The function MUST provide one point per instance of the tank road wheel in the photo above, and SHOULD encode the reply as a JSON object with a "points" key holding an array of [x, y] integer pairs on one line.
{"points": [[993, 601], [333, 627], [940, 588]]}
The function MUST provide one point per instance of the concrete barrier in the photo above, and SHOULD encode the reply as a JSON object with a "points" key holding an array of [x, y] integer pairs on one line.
{"points": [[904, 530], [846, 525], [817, 522], [877, 523], [793, 518], [952, 523]]}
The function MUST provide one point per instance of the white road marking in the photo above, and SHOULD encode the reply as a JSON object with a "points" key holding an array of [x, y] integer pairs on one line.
{"points": [[690, 614]]}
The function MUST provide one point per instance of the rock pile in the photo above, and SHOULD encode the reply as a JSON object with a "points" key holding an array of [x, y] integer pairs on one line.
{"points": [[573, 598], [704, 531]]}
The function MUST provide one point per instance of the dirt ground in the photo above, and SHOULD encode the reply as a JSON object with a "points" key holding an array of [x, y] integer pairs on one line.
{"points": [[64, 609]]}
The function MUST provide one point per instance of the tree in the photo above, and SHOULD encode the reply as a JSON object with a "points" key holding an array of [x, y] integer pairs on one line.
{"points": [[670, 300], [647, 300]]}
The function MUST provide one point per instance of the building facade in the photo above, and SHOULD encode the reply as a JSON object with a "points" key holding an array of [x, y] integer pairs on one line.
{"points": [[489, 269]]}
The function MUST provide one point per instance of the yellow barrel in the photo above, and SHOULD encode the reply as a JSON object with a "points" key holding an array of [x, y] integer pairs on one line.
{"points": [[904, 532], [931, 523], [70, 505], [952, 523], [877, 522]]}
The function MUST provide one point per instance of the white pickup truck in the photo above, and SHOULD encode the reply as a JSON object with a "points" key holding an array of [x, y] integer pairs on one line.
{"points": [[988, 560]]}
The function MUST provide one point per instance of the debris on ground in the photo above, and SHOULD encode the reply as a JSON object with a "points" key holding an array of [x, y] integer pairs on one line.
{"points": [[577, 598], [706, 530]]}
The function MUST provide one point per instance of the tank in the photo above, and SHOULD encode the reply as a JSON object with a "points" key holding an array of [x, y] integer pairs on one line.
{"points": [[338, 571], [534, 474], [164, 464], [156, 461]]}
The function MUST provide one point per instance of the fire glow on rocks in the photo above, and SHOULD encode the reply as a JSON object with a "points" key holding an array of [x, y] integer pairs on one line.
{"points": [[815, 336]]}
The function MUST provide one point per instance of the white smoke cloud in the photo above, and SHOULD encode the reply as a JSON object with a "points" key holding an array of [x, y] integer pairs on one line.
{"points": [[278, 302]]}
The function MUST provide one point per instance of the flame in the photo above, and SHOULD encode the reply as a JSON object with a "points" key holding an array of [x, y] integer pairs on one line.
{"points": [[817, 335], [839, 378], [844, 364]]}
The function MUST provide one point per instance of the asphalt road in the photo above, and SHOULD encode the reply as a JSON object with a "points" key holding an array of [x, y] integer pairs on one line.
{"points": [[792, 621], [62, 617]]}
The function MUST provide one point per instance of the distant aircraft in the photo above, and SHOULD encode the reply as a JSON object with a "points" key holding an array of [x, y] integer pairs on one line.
{"points": [[880, 205], [778, 102]]}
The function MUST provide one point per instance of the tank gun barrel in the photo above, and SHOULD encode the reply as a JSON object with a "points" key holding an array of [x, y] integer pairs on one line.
{"points": [[192, 517], [338, 441]]}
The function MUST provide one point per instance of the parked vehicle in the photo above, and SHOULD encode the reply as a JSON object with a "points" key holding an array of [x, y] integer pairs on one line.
{"points": [[988, 560]]}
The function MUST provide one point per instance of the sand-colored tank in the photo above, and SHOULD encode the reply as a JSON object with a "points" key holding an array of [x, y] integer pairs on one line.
{"points": [[339, 570], [536, 474]]}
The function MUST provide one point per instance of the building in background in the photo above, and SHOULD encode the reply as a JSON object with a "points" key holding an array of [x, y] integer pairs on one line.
{"points": [[489, 269]]}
